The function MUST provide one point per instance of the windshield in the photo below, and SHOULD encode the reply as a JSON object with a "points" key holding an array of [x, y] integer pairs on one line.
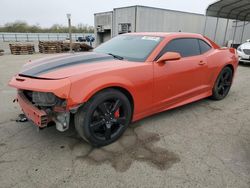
{"points": [[130, 47]]}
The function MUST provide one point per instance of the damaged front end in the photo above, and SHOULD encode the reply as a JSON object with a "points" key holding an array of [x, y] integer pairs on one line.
{"points": [[44, 108]]}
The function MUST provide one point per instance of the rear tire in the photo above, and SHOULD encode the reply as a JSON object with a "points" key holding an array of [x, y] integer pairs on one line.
{"points": [[223, 84], [104, 118]]}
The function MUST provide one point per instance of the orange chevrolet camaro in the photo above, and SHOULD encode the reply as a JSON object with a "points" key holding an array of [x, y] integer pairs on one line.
{"points": [[125, 79]]}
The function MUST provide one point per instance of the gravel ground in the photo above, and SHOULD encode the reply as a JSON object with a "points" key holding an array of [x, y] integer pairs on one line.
{"points": [[204, 144]]}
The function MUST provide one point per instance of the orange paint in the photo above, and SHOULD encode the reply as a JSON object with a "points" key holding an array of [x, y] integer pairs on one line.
{"points": [[154, 86]]}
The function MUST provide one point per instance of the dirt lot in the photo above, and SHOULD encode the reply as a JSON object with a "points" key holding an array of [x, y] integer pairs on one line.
{"points": [[204, 144]]}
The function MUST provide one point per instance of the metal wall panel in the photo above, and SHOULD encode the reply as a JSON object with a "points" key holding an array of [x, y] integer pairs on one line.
{"points": [[246, 34], [106, 20], [124, 15], [152, 19], [148, 19], [219, 35]]}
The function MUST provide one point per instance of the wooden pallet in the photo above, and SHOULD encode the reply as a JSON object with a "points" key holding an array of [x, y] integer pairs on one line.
{"points": [[50, 47], [60, 46], [22, 48], [76, 46]]}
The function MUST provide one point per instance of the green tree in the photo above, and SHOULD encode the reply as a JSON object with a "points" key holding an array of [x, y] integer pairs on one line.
{"points": [[23, 27]]}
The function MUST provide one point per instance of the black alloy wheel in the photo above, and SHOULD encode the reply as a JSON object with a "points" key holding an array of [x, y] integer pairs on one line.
{"points": [[104, 118], [223, 84]]}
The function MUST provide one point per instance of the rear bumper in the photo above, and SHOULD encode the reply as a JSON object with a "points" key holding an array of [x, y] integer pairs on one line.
{"points": [[37, 116]]}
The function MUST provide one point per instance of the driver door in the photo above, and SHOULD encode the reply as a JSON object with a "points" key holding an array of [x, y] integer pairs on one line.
{"points": [[178, 80]]}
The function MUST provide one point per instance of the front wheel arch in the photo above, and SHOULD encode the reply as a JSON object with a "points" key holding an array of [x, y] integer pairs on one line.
{"points": [[119, 88]]}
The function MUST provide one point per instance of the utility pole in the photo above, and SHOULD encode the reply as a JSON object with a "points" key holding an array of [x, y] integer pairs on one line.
{"points": [[70, 32]]}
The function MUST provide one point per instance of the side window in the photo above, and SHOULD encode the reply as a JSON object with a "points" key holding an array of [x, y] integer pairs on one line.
{"points": [[204, 46], [186, 47]]}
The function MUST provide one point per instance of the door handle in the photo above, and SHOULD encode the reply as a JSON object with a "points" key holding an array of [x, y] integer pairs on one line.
{"points": [[202, 62]]}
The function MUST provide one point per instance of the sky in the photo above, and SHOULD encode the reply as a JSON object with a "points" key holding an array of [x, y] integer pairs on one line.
{"points": [[49, 12]]}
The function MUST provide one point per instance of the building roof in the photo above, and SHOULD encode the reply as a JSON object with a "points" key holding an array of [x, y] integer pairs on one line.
{"points": [[230, 9], [142, 6], [165, 34]]}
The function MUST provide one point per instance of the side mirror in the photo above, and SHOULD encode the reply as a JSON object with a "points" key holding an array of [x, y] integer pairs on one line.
{"points": [[248, 40], [169, 56]]}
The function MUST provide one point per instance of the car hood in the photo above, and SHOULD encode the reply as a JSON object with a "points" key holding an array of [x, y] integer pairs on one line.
{"points": [[67, 65], [245, 45]]}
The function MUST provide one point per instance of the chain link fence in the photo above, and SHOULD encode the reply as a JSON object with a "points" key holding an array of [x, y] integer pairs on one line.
{"points": [[31, 37]]}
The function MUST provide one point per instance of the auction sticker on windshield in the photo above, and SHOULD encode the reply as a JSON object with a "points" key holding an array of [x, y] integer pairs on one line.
{"points": [[151, 38]]}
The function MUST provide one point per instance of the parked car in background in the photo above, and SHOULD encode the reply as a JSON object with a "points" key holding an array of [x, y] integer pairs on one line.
{"points": [[128, 78], [244, 52], [81, 39], [90, 39]]}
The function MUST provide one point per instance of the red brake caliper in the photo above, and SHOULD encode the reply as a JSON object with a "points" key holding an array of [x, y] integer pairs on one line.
{"points": [[117, 113]]}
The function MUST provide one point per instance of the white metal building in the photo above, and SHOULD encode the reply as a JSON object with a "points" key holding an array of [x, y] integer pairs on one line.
{"points": [[148, 19]]}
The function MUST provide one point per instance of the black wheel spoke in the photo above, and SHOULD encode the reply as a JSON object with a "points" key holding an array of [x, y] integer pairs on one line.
{"points": [[219, 87], [103, 108], [221, 80], [222, 90], [116, 106], [97, 125], [108, 132], [226, 76]]}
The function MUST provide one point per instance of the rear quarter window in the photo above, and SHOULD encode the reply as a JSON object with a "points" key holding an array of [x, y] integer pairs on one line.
{"points": [[204, 46]]}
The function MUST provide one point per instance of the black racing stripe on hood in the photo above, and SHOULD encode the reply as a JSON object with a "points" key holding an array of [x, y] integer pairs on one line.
{"points": [[62, 63]]}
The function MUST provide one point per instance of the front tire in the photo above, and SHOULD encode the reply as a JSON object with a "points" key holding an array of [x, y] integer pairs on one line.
{"points": [[223, 84], [104, 118]]}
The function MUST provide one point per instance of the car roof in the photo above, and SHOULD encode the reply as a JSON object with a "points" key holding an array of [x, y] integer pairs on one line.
{"points": [[176, 35], [165, 34]]}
